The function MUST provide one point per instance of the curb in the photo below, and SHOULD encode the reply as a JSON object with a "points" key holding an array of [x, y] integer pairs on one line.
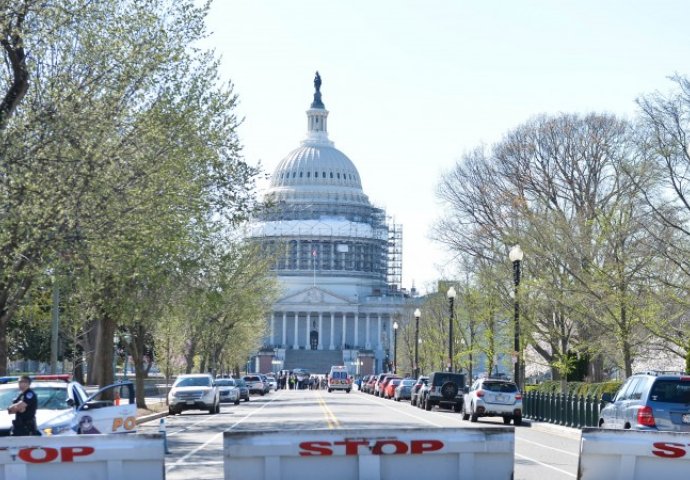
{"points": [[574, 433], [153, 416]]}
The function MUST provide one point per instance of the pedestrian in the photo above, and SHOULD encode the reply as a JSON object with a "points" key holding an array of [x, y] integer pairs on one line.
{"points": [[292, 381], [24, 409]]}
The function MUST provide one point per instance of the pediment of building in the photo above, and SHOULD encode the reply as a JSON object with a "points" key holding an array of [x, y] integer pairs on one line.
{"points": [[314, 296]]}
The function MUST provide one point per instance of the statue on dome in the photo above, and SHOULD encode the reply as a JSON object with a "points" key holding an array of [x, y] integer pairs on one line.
{"points": [[317, 103], [317, 82]]}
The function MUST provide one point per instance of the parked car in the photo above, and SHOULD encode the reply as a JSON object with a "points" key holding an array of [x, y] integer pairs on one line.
{"points": [[492, 397], [194, 392], [392, 384], [416, 388], [244, 390], [272, 382], [404, 390], [423, 392], [65, 408], [228, 390], [370, 384], [649, 401], [377, 384], [445, 390], [255, 384], [384, 383], [267, 384]]}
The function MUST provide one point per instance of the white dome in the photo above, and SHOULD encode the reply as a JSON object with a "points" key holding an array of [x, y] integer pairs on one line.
{"points": [[316, 165]]}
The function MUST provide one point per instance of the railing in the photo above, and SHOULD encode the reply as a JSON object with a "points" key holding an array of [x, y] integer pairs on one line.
{"points": [[565, 409]]}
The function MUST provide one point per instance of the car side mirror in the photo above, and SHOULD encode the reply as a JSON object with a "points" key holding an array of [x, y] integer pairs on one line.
{"points": [[70, 402], [606, 397]]}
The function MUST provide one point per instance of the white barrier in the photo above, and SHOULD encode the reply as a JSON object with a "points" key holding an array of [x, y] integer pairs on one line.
{"points": [[381, 454], [633, 455], [82, 457]]}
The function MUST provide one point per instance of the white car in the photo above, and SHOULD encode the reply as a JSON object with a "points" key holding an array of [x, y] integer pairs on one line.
{"points": [[194, 392], [64, 408], [228, 390], [272, 382], [491, 397]]}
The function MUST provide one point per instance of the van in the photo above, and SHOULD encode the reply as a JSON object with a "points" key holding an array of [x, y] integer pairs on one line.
{"points": [[338, 379]]}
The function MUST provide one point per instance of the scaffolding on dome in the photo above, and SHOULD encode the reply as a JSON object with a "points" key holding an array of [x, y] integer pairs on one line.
{"points": [[394, 270]]}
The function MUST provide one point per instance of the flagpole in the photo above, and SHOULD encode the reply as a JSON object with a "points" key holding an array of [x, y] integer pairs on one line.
{"points": [[313, 258]]}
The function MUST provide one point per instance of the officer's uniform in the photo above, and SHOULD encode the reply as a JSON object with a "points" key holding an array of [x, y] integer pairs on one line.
{"points": [[24, 423]]}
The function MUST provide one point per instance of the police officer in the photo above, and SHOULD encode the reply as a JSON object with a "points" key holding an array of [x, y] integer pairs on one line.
{"points": [[24, 408]]}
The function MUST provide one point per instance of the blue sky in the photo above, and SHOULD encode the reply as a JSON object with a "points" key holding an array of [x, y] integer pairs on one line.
{"points": [[412, 85]]}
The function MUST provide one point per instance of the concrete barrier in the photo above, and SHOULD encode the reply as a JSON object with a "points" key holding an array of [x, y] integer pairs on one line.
{"points": [[381, 454], [633, 455], [82, 457]]}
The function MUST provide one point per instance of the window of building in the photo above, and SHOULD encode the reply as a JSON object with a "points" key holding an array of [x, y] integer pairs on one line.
{"points": [[308, 174], [338, 174], [331, 174]]}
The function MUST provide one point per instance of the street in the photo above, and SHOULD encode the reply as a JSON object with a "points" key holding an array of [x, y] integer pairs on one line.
{"points": [[195, 439]]}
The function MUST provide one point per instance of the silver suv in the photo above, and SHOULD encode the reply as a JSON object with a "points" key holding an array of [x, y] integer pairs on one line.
{"points": [[492, 397], [194, 392], [649, 401]]}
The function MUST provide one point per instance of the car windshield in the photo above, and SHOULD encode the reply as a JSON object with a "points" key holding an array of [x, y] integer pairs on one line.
{"points": [[340, 375], [49, 398], [252, 379], [670, 391], [225, 382], [240, 383], [502, 387], [395, 381], [408, 383], [193, 382]]}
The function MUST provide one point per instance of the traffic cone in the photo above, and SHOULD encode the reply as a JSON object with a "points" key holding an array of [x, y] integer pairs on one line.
{"points": [[161, 430]]}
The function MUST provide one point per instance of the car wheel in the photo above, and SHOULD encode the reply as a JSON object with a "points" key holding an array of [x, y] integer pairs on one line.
{"points": [[506, 420], [218, 407], [329, 390], [413, 402], [348, 390], [457, 408], [237, 402], [473, 416], [246, 399], [427, 405], [171, 411], [465, 416], [212, 410], [517, 421]]}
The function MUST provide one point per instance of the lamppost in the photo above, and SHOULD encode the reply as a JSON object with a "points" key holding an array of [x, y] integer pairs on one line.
{"points": [[417, 314], [451, 299], [515, 256], [116, 341], [395, 347], [126, 338]]}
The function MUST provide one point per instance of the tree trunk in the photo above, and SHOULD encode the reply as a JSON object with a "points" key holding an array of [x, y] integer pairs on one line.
{"points": [[136, 348], [104, 354]]}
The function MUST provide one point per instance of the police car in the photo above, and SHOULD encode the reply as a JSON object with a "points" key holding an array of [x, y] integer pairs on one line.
{"points": [[64, 407]]}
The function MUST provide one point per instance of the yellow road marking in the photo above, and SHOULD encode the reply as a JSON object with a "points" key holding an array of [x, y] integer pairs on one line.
{"points": [[331, 419]]}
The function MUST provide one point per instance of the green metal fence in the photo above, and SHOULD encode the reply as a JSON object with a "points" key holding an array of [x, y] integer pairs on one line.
{"points": [[574, 411]]}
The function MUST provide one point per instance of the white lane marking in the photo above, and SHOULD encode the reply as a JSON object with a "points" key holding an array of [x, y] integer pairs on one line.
{"points": [[372, 400], [219, 434], [546, 465], [576, 455]]}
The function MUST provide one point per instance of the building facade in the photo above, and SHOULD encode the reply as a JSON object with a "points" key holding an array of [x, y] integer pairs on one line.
{"points": [[337, 258]]}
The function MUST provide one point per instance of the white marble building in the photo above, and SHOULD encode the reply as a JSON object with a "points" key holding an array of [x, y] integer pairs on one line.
{"points": [[332, 254]]}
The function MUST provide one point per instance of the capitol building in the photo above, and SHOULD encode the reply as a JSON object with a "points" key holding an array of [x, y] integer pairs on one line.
{"points": [[338, 260]]}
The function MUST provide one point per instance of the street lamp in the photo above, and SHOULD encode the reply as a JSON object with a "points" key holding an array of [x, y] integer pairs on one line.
{"points": [[451, 299], [417, 314], [126, 337], [395, 347], [116, 341], [515, 256]]}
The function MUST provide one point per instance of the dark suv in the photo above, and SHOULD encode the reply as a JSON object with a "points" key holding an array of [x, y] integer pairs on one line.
{"points": [[445, 390], [650, 401]]}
